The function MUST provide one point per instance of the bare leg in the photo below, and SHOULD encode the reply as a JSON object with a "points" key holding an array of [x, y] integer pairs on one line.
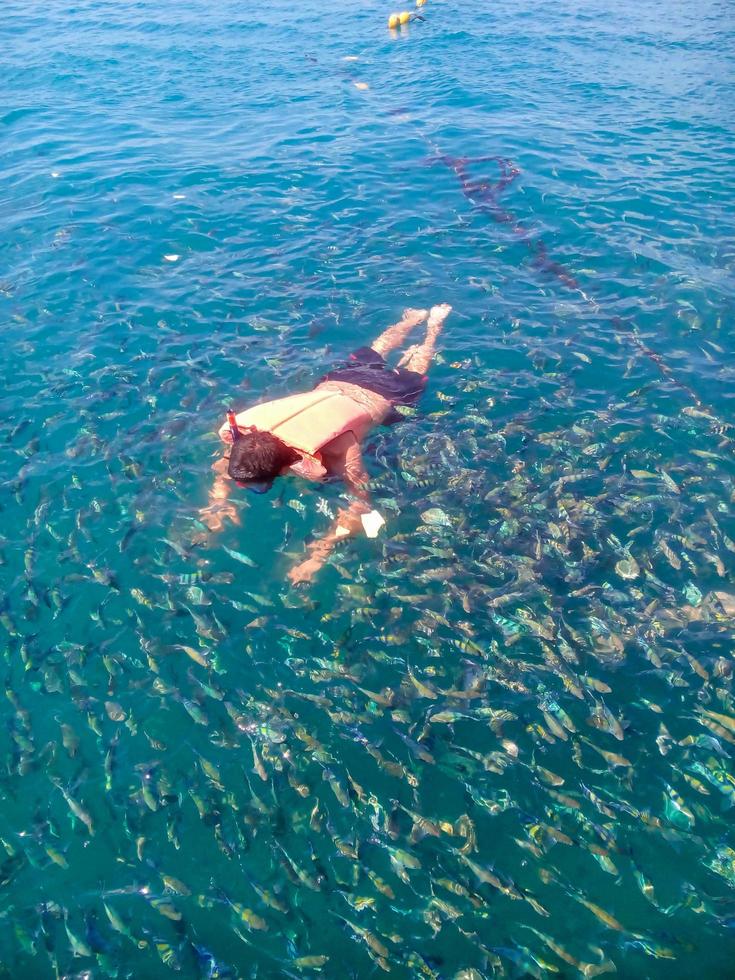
{"points": [[419, 358], [394, 336]]}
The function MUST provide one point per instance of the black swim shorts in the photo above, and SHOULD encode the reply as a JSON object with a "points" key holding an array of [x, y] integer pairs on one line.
{"points": [[366, 368]]}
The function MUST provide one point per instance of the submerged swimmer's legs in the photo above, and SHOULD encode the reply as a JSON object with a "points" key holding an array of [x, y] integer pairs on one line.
{"points": [[419, 357], [394, 336]]}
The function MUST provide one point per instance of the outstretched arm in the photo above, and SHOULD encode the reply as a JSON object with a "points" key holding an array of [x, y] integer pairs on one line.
{"points": [[347, 463], [219, 508]]}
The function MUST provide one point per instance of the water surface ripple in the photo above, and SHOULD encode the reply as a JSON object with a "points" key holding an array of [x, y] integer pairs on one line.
{"points": [[498, 741]]}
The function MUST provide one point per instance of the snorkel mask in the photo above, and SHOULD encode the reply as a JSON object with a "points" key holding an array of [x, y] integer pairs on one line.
{"points": [[255, 486]]}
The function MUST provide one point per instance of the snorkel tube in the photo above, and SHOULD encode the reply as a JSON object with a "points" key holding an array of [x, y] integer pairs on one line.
{"points": [[232, 423]]}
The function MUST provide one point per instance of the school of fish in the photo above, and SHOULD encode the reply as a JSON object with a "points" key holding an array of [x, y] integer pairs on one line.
{"points": [[458, 730]]}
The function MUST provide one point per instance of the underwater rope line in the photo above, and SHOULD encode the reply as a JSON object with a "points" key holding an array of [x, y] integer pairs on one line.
{"points": [[487, 193]]}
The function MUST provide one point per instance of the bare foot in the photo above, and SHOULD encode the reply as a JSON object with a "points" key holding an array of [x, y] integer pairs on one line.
{"points": [[438, 314], [414, 317]]}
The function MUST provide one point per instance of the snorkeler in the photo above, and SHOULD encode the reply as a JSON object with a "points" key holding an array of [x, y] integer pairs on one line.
{"points": [[317, 434]]}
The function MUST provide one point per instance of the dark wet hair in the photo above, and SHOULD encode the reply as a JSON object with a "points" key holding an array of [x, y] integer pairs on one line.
{"points": [[259, 455]]}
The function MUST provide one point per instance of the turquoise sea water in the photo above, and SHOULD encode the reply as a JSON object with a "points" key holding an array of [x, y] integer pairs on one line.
{"points": [[499, 738]]}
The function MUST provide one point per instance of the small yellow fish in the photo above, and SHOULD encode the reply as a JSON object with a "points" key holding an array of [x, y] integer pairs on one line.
{"points": [[196, 655], [609, 920]]}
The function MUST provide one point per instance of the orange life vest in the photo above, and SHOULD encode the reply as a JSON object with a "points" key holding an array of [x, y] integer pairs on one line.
{"points": [[307, 423]]}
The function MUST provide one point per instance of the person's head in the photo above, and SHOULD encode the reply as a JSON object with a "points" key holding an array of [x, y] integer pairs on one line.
{"points": [[259, 456]]}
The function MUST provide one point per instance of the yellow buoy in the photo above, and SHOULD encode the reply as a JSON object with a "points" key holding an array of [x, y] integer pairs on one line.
{"points": [[404, 17], [394, 20]]}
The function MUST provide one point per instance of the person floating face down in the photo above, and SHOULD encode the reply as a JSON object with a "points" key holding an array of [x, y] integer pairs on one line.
{"points": [[318, 433]]}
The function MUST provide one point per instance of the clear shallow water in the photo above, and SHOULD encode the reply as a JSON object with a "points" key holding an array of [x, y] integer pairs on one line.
{"points": [[576, 440]]}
